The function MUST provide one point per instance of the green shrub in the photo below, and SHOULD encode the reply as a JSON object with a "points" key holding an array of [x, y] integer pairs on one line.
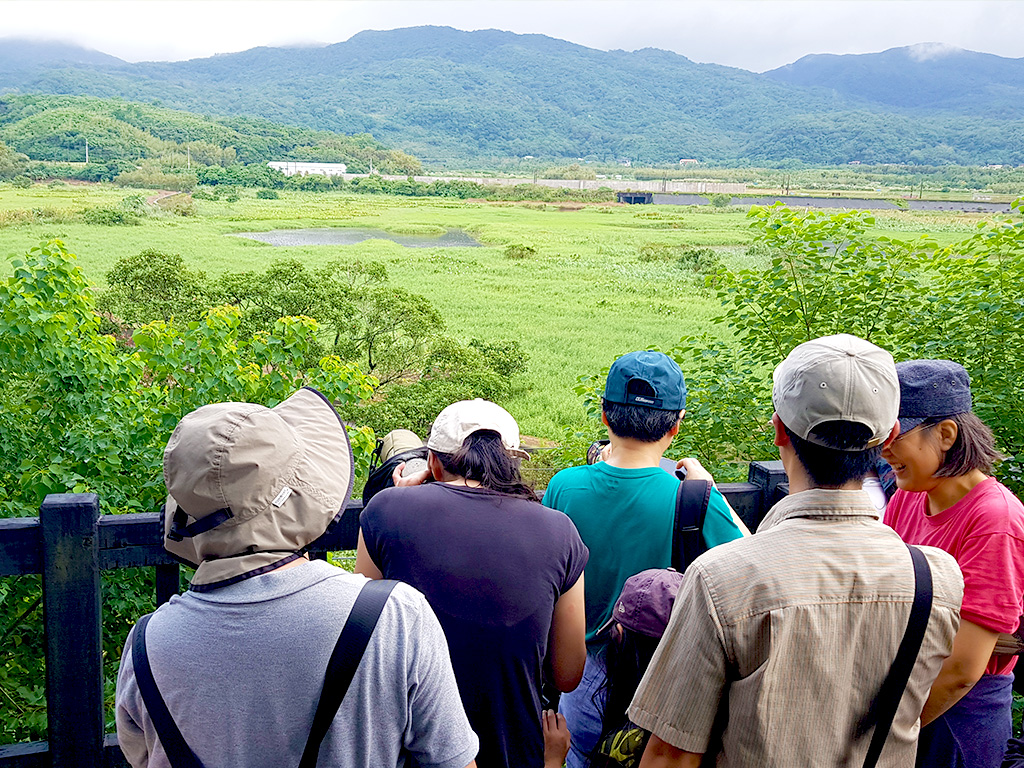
{"points": [[720, 200], [151, 176], [152, 285], [450, 372], [507, 358], [37, 216], [21, 182], [110, 217], [133, 204], [180, 205], [702, 261], [656, 252], [574, 171], [267, 194], [520, 251]]}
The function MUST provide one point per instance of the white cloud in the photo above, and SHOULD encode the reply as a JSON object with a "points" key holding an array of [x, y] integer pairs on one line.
{"points": [[929, 51]]}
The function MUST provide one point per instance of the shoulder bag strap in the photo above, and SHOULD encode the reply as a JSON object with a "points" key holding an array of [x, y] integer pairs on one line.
{"points": [[692, 501], [348, 651], [883, 708], [179, 754]]}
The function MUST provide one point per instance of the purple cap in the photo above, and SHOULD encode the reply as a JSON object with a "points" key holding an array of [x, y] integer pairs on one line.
{"points": [[645, 603]]}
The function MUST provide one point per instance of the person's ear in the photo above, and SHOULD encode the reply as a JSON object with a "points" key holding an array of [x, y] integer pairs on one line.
{"points": [[781, 438], [604, 417], [675, 427], [944, 433], [893, 434], [434, 465]]}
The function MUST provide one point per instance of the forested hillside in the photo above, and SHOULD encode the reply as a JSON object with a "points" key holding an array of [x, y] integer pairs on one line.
{"points": [[56, 129], [454, 97], [929, 78]]}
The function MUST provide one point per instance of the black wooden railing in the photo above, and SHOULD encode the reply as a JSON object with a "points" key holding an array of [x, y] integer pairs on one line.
{"points": [[71, 542]]}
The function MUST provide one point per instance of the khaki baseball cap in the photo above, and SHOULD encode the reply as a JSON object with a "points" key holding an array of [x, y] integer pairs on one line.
{"points": [[250, 487], [837, 378], [459, 420]]}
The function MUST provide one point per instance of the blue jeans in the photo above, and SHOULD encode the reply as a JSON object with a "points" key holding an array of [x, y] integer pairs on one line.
{"points": [[974, 731], [582, 709]]}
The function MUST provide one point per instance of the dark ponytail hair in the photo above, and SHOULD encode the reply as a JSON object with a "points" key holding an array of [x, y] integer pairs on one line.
{"points": [[627, 657], [483, 458]]}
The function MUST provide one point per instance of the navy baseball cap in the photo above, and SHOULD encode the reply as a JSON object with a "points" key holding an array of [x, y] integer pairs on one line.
{"points": [[665, 387], [931, 389]]}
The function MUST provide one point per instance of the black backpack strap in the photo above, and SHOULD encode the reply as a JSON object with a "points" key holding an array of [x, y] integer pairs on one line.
{"points": [[179, 754], [687, 532], [348, 651], [883, 708]]}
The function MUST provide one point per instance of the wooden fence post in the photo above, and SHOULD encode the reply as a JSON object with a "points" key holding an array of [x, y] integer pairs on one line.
{"points": [[168, 582], [770, 476], [74, 639]]}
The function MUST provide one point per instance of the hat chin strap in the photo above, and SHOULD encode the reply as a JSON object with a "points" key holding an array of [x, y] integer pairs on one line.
{"points": [[180, 529]]}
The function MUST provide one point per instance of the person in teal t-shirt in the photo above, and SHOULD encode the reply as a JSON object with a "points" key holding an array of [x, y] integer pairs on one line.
{"points": [[624, 510]]}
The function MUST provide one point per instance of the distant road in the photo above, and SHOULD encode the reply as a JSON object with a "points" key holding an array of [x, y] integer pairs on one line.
{"points": [[619, 185], [691, 193], [849, 203]]}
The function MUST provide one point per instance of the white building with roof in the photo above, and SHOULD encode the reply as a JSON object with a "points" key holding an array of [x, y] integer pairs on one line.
{"points": [[294, 168]]}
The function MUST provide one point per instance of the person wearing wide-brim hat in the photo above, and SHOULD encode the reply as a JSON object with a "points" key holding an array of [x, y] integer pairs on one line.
{"points": [[503, 573], [946, 497], [240, 659]]}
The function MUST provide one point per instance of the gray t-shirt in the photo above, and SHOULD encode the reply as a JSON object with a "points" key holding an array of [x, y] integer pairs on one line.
{"points": [[241, 669]]}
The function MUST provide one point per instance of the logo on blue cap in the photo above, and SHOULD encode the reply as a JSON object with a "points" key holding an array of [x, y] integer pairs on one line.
{"points": [[665, 387]]}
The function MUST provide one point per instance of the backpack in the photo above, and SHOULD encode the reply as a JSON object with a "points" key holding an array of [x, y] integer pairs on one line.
{"points": [[692, 501]]}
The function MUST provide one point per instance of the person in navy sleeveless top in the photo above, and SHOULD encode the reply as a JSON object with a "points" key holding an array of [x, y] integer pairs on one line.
{"points": [[503, 573]]}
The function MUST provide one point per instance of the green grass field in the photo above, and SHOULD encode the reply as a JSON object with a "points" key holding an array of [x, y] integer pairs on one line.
{"points": [[584, 299]]}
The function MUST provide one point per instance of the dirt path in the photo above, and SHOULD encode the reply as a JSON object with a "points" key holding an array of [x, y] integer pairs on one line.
{"points": [[155, 199]]}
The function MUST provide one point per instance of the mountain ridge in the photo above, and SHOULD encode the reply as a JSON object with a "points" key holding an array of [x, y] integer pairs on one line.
{"points": [[448, 95], [925, 75]]}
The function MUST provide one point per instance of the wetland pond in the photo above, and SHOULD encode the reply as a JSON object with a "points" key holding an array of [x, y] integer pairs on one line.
{"points": [[452, 238]]}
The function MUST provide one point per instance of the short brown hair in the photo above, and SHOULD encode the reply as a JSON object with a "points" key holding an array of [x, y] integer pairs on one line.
{"points": [[974, 447]]}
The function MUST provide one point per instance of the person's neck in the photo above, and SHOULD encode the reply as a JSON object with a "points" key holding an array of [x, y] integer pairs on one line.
{"points": [[949, 490], [627, 453], [449, 479], [293, 563], [800, 480]]}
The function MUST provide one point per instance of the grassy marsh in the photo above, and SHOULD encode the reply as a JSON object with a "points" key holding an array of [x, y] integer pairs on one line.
{"points": [[581, 301]]}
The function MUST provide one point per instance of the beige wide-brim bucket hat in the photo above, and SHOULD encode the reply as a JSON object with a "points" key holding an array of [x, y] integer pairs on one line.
{"points": [[250, 487]]}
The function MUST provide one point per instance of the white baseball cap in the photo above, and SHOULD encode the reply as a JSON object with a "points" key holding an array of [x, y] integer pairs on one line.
{"points": [[460, 420], [837, 378]]}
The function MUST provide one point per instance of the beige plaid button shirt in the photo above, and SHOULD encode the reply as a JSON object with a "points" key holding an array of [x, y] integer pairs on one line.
{"points": [[801, 623]]}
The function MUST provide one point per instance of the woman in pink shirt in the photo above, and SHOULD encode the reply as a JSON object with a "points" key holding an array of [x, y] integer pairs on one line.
{"points": [[946, 498]]}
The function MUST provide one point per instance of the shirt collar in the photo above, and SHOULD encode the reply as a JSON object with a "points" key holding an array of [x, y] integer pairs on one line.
{"points": [[280, 582], [821, 503]]}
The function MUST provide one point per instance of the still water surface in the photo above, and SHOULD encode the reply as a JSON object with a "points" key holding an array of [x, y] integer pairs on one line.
{"points": [[453, 238]]}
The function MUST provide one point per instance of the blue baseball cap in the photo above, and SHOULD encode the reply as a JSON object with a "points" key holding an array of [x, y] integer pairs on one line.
{"points": [[931, 389], [665, 387]]}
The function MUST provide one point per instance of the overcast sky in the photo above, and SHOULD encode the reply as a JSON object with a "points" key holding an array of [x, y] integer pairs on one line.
{"points": [[752, 34]]}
